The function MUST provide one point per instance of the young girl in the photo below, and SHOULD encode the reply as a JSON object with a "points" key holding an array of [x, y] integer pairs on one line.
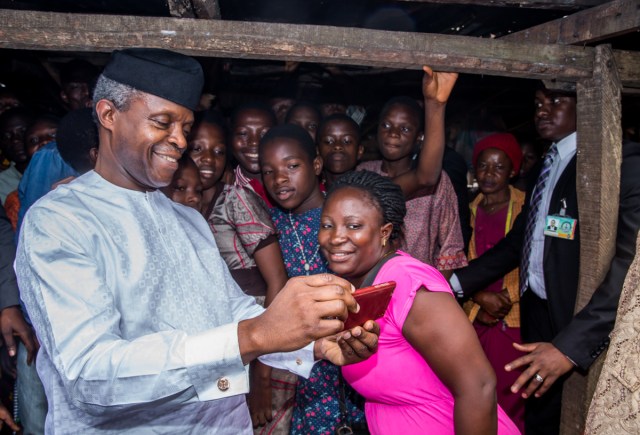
{"points": [[339, 146], [290, 169], [208, 149], [185, 187], [246, 239], [249, 124], [433, 232], [495, 310]]}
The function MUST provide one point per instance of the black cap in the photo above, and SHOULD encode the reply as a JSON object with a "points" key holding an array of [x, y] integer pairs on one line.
{"points": [[163, 73]]}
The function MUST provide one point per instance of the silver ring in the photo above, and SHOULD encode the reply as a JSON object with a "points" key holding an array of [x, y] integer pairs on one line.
{"points": [[538, 378]]}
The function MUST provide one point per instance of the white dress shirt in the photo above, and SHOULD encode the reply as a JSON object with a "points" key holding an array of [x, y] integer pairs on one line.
{"points": [[136, 313]]}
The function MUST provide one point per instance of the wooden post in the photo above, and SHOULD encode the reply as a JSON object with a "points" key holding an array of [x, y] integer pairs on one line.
{"points": [[598, 187]]}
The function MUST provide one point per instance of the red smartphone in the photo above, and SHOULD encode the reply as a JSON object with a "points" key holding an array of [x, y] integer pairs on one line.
{"points": [[373, 301]]}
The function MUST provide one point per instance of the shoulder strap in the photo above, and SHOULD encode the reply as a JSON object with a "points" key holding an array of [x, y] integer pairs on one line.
{"points": [[371, 276]]}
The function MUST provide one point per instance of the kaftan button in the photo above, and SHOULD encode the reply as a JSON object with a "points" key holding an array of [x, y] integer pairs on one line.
{"points": [[223, 384], [298, 361]]}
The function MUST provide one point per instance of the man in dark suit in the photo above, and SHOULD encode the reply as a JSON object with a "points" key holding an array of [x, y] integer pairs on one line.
{"points": [[558, 341]]}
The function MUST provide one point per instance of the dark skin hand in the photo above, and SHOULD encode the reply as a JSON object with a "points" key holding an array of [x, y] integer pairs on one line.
{"points": [[486, 318], [543, 359], [350, 346], [310, 308], [496, 305], [5, 417], [259, 397], [440, 331], [12, 324]]}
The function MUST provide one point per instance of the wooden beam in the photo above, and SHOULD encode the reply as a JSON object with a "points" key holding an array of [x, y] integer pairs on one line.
{"points": [[601, 22], [220, 38], [563, 5], [207, 9], [598, 188]]}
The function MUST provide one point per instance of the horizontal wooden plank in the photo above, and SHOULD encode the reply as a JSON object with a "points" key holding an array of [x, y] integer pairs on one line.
{"points": [[562, 5], [606, 21], [339, 45], [628, 63]]}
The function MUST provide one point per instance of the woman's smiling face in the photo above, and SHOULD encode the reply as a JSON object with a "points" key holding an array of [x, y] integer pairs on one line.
{"points": [[351, 233]]}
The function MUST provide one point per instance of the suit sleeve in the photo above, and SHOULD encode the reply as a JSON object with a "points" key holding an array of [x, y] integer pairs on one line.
{"points": [[9, 294], [587, 336], [496, 262]]}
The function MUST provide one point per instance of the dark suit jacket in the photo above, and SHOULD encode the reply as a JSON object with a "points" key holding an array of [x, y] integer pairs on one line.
{"points": [[584, 336], [8, 285]]}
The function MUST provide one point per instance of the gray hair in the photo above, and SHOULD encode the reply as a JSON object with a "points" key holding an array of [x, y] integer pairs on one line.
{"points": [[119, 94]]}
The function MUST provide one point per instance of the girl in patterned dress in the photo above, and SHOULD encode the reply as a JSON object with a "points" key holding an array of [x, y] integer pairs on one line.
{"points": [[290, 169]]}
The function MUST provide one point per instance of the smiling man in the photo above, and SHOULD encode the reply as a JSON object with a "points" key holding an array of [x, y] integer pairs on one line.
{"points": [[142, 328]]}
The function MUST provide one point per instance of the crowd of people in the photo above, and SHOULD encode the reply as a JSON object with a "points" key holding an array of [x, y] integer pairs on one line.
{"points": [[181, 268]]}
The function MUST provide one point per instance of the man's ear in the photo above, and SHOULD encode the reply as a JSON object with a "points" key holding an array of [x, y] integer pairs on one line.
{"points": [[317, 165], [360, 152], [106, 112], [93, 155], [64, 97]]}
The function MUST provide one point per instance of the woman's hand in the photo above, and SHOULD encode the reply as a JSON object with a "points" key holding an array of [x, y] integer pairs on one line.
{"points": [[349, 347], [486, 318], [437, 86], [497, 305]]}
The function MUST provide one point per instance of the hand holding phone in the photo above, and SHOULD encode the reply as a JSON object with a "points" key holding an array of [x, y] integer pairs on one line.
{"points": [[373, 301]]}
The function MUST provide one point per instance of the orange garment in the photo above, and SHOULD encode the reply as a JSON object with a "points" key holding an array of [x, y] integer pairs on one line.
{"points": [[511, 280], [11, 207]]}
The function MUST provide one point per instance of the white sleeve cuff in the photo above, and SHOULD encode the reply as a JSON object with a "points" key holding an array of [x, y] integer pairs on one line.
{"points": [[299, 362], [214, 363], [455, 286]]}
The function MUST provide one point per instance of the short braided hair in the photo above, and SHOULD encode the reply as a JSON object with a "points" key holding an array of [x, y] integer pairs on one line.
{"points": [[384, 193]]}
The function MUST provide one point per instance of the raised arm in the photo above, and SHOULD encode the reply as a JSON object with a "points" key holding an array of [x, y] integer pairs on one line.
{"points": [[436, 88]]}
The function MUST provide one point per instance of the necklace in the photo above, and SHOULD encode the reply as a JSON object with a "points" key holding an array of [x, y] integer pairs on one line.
{"points": [[307, 264]]}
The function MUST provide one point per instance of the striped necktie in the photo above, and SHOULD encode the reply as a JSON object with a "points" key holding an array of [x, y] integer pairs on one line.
{"points": [[532, 216]]}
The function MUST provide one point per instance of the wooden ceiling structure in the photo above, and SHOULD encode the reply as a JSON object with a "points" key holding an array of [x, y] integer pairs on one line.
{"points": [[575, 50]]}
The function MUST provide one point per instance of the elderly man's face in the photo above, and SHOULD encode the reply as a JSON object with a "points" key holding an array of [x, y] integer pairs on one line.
{"points": [[147, 140]]}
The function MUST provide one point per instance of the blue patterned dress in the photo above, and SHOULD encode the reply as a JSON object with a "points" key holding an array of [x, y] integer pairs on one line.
{"points": [[317, 408]]}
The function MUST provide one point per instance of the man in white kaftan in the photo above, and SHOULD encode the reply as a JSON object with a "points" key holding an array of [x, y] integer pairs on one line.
{"points": [[142, 328]]}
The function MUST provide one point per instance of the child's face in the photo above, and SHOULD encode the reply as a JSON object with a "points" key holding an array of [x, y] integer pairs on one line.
{"points": [[207, 148], [306, 118], [77, 95], [251, 125], [493, 171], [338, 146], [39, 134], [529, 158], [12, 138], [186, 187], [398, 132], [290, 177]]}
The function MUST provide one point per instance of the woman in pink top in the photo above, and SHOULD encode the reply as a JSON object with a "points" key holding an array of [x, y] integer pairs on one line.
{"points": [[430, 374]]}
